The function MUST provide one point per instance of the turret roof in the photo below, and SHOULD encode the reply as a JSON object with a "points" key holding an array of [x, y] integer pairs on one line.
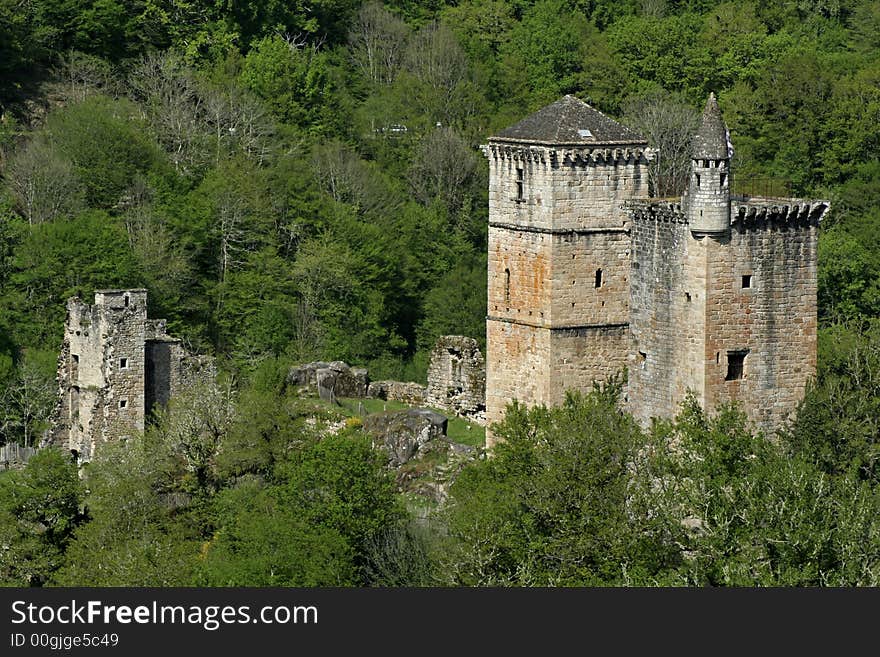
{"points": [[570, 121], [711, 140]]}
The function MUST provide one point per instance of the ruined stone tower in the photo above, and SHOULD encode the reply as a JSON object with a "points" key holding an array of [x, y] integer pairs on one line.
{"points": [[714, 294], [559, 244], [115, 366]]}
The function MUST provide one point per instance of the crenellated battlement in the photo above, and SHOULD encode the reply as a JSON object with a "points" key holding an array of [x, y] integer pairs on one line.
{"points": [[657, 211], [755, 212], [570, 155]]}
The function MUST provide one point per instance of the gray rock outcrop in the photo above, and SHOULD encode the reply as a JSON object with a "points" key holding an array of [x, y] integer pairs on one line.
{"points": [[405, 434]]}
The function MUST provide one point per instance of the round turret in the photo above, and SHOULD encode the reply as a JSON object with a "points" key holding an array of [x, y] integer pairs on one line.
{"points": [[709, 186]]}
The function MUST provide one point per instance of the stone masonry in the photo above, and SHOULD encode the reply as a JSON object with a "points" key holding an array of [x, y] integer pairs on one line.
{"points": [[457, 377], [587, 275], [115, 367]]}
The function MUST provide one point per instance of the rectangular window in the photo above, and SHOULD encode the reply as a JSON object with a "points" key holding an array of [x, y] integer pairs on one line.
{"points": [[123, 403], [123, 363], [735, 365], [747, 281], [598, 281], [520, 181]]}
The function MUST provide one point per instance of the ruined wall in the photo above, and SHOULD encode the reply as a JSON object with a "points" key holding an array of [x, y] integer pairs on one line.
{"points": [[123, 314], [762, 305], [457, 376]]}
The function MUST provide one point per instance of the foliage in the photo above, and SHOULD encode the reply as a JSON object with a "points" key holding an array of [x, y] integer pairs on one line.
{"points": [[550, 507], [39, 511], [295, 181]]}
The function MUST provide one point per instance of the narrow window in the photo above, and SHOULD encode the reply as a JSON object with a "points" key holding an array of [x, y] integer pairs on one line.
{"points": [[747, 281], [698, 179], [643, 359], [507, 285], [687, 297], [126, 300], [598, 282], [520, 180], [723, 179], [735, 363], [123, 363], [123, 403]]}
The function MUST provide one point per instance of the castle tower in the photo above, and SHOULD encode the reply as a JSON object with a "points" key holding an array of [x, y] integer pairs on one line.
{"points": [[102, 369], [723, 294], [115, 366], [559, 248], [709, 184]]}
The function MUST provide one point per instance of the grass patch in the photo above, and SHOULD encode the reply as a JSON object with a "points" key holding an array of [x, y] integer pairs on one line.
{"points": [[459, 430]]}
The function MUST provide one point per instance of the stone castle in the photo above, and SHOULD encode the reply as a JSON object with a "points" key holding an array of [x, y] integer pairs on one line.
{"points": [[115, 367], [712, 294]]}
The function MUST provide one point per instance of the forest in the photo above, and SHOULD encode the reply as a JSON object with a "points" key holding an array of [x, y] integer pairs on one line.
{"points": [[302, 180]]}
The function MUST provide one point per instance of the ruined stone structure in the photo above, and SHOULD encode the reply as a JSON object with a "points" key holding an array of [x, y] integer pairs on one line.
{"points": [[587, 275], [457, 377], [115, 367]]}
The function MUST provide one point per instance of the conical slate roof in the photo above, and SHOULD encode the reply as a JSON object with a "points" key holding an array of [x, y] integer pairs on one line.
{"points": [[570, 121], [710, 142]]}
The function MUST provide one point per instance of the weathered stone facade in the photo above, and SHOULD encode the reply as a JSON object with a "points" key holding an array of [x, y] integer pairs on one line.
{"points": [[115, 367], [457, 377], [587, 275]]}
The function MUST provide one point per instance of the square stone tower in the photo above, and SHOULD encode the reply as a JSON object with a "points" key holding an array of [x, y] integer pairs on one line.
{"points": [[559, 252], [115, 367]]}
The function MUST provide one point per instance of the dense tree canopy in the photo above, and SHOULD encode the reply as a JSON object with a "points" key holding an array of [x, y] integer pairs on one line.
{"points": [[302, 180]]}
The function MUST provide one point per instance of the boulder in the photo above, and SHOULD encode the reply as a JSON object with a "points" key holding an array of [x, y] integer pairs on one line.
{"points": [[405, 434], [332, 380], [305, 375]]}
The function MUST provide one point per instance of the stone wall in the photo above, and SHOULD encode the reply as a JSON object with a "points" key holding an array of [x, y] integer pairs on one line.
{"points": [[761, 305], [457, 377], [667, 311], [407, 392], [578, 357], [13, 456]]}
